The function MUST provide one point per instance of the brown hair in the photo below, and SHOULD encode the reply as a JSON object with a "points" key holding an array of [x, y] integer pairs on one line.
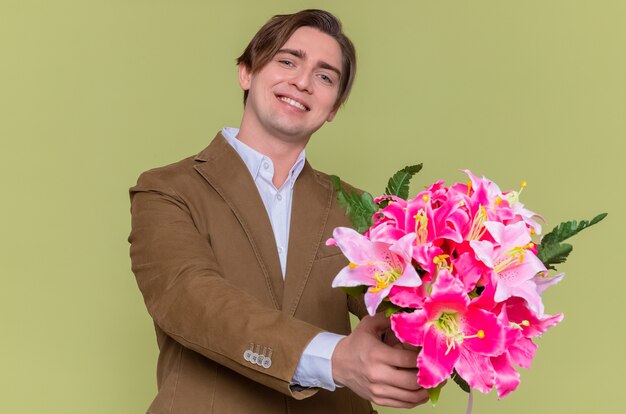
{"points": [[275, 33]]}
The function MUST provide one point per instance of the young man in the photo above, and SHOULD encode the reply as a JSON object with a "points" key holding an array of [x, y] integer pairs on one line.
{"points": [[228, 248]]}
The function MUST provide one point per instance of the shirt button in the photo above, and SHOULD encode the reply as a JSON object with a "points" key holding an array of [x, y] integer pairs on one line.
{"points": [[279, 197], [266, 165], [280, 250]]}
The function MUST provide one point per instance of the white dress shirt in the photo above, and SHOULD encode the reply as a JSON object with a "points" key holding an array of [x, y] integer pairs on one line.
{"points": [[314, 368]]}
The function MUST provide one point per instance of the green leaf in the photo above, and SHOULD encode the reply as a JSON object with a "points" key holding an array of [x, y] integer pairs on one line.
{"points": [[398, 184], [460, 381], [391, 309], [336, 181], [433, 393], [598, 218], [356, 291], [553, 254], [552, 251], [360, 208], [568, 229]]}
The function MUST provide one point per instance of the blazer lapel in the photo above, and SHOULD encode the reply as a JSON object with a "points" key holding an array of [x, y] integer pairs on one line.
{"points": [[309, 213], [226, 172]]}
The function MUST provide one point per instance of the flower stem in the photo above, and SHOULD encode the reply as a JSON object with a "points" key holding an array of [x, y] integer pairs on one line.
{"points": [[470, 402]]}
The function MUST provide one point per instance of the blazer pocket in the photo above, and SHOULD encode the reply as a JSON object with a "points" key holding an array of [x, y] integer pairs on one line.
{"points": [[322, 256]]}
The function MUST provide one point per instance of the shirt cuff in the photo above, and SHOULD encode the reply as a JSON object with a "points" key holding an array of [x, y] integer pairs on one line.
{"points": [[315, 367]]}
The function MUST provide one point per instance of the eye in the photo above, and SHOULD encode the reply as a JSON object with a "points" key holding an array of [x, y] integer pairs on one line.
{"points": [[325, 78], [286, 62]]}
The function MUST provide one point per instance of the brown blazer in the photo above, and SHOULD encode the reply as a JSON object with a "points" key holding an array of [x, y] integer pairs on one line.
{"points": [[206, 262]]}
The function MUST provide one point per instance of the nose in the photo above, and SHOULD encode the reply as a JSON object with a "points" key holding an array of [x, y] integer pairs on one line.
{"points": [[302, 80]]}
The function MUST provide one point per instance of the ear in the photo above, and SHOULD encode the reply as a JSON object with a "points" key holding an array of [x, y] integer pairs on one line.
{"points": [[245, 76], [331, 115]]}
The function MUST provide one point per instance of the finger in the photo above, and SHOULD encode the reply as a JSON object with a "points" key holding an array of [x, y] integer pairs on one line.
{"points": [[387, 402], [385, 395], [405, 379], [377, 323], [390, 338], [400, 358]]}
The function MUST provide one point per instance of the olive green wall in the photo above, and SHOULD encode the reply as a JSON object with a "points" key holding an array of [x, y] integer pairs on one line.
{"points": [[94, 92]]}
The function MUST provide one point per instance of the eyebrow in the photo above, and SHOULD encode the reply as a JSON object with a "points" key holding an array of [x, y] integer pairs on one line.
{"points": [[299, 53]]}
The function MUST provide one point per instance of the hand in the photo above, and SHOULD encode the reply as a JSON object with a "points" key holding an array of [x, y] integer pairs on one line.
{"points": [[389, 338], [375, 371]]}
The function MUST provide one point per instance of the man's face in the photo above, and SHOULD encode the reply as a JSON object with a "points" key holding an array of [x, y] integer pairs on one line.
{"points": [[295, 93]]}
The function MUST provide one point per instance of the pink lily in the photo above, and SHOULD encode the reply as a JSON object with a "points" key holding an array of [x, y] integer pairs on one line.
{"points": [[514, 266], [380, 266], [499, 206], [453, 335], [522, 325], [469, 269], [389, 222], [531, 325], [436, 215], [431, 215]]}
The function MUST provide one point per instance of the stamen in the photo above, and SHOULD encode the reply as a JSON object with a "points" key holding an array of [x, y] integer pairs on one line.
{"points": [[383, 280], [451, 345], [441, 262], [469, 187], [449, 325], [477, 230], [519, 325], [480, 335], [516, 252], [421, 227], [522, 189]]}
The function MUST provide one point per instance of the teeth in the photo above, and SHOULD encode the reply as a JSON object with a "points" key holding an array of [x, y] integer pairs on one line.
{"points": [[293, 103]]}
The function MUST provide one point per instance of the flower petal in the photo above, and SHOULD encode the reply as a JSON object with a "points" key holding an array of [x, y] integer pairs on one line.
{"points": [[469, 270], [435, 361], [513, 235], [532, 325], [522, 352], [373, 299], [545, 282], [358, 248], [493, 334], [410, 327], [507, 378], [404, 247], [407, 297], [526, 290], [476, 370], [484, 251], [448, 295], [347, 277]]}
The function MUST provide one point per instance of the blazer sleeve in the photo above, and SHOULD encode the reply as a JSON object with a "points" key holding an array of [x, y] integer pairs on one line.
{"points": [[188, 298]]}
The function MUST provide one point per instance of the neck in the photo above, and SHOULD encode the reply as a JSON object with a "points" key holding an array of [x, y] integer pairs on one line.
{"points": [[283, 152]]}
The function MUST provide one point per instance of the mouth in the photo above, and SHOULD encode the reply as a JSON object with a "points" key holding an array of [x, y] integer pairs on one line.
{"points": [[293, 102]]}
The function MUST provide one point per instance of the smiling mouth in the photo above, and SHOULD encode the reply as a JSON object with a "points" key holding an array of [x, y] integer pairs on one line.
{"points": [[293, 103]]}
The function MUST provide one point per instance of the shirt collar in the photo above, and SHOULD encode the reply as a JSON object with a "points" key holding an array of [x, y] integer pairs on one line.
{"points": [[254, 159]]}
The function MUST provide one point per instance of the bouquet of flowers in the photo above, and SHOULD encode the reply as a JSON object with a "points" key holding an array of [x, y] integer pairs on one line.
{"points": [[460, 271]]}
